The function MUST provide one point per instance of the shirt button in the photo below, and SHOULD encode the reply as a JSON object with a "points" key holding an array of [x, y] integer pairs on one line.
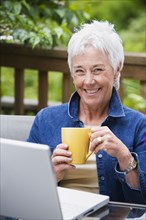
{"points": [[102, 177], [100, 156]]}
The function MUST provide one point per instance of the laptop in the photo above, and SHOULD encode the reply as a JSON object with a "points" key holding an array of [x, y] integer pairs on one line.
{"points": [[28, 187]]}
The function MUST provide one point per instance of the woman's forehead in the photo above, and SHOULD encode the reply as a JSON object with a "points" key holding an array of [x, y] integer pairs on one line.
{"points": [[92, 56]]}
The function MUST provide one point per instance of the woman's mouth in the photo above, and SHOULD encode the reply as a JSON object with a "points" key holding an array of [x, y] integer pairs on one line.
{"points": [[91, 91]]}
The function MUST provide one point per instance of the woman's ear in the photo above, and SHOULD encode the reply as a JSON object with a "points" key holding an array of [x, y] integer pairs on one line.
{"points": [[117, 73]]}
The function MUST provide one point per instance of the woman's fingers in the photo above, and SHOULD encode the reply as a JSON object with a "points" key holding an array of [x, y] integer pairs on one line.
{"points": [[99, 132], [60, 170], [61, 158], [61, 150], [102, 138]]}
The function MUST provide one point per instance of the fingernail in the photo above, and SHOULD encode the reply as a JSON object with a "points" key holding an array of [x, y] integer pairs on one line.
{"points": [[68, 153], [73, 166], [69, 158]]}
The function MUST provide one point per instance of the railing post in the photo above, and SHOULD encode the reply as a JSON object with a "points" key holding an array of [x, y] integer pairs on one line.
{"points": [[19, 92], [143, 93], [43, 89], [66, 87], [121, 90], [143, 88]]}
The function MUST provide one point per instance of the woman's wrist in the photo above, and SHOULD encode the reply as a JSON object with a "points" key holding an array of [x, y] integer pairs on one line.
{"points": [[124, 161], [131, 166]]}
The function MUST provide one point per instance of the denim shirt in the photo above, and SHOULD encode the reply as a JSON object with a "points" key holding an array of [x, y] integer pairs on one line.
{"points": [[127, 124]]}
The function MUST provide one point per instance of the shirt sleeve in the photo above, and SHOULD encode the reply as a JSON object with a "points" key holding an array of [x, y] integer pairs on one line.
{"points": [[137, 194], [34, 135], [122, 174]]}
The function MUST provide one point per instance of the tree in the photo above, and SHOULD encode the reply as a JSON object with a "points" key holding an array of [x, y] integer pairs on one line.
{"points": [[39, 22]]}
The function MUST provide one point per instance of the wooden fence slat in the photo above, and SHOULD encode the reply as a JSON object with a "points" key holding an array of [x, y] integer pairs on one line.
{"points": [[143, 89], [67, 87], [43, 89], [19, 91], [121, 89]]}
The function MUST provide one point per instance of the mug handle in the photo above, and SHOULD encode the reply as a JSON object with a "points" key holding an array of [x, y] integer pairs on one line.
{"points": [[89, 154]]}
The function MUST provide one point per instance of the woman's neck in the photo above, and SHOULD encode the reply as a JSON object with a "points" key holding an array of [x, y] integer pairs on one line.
{"points": [[91, 116]]}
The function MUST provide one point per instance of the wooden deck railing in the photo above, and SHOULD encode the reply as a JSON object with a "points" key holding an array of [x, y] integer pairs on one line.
{"points": [[45, 60]]}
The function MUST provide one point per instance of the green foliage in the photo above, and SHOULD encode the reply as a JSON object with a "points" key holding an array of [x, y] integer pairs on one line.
{"points": [[118, 12], [129, 18], [50, 23], [55, 88], [7, 81], [135, 38], [31, 84], [44, 23], [132, 97]]}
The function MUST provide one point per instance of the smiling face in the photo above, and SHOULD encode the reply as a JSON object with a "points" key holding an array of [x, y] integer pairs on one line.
{"points": [[93, 78]]}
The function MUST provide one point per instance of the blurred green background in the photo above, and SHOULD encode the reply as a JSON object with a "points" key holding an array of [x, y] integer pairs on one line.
{"points": [[43, 23]]}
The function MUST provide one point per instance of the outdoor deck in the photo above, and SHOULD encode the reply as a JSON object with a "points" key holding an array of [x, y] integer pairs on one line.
{"points": [[45, 60]]}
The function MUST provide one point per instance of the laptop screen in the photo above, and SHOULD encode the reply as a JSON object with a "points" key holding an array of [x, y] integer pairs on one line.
{"points": [[28, 184]]}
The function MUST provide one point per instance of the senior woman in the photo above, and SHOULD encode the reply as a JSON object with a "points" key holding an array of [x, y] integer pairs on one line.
{"points": [[118, 166]]}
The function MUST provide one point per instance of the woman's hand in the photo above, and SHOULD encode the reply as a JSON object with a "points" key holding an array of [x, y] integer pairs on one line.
{"points": [[60, 159], [102, 138]]}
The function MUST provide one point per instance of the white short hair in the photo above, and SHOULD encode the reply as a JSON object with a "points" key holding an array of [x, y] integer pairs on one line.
{"points": [[102, 36]]}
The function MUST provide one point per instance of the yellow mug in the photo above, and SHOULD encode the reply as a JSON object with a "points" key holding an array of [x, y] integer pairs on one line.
{"points": [[78, 140]]}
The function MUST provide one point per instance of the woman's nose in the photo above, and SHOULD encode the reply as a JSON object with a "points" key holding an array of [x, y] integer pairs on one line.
{"points": [[89, 78]]}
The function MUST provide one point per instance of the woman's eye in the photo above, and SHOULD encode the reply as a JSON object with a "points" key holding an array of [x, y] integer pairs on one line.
{"points": [[80, 72], [97, 70]]}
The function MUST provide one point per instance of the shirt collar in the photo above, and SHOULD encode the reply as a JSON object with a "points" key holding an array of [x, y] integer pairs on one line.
{"points": [[115, 107], [73, 106]]}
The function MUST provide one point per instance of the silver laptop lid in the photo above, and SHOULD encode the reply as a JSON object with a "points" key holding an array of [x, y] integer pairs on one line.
{"points": [[24, 188]]}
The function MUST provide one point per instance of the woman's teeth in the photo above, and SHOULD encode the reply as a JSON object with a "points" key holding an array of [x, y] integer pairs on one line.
{"points": [[91, 91]]}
